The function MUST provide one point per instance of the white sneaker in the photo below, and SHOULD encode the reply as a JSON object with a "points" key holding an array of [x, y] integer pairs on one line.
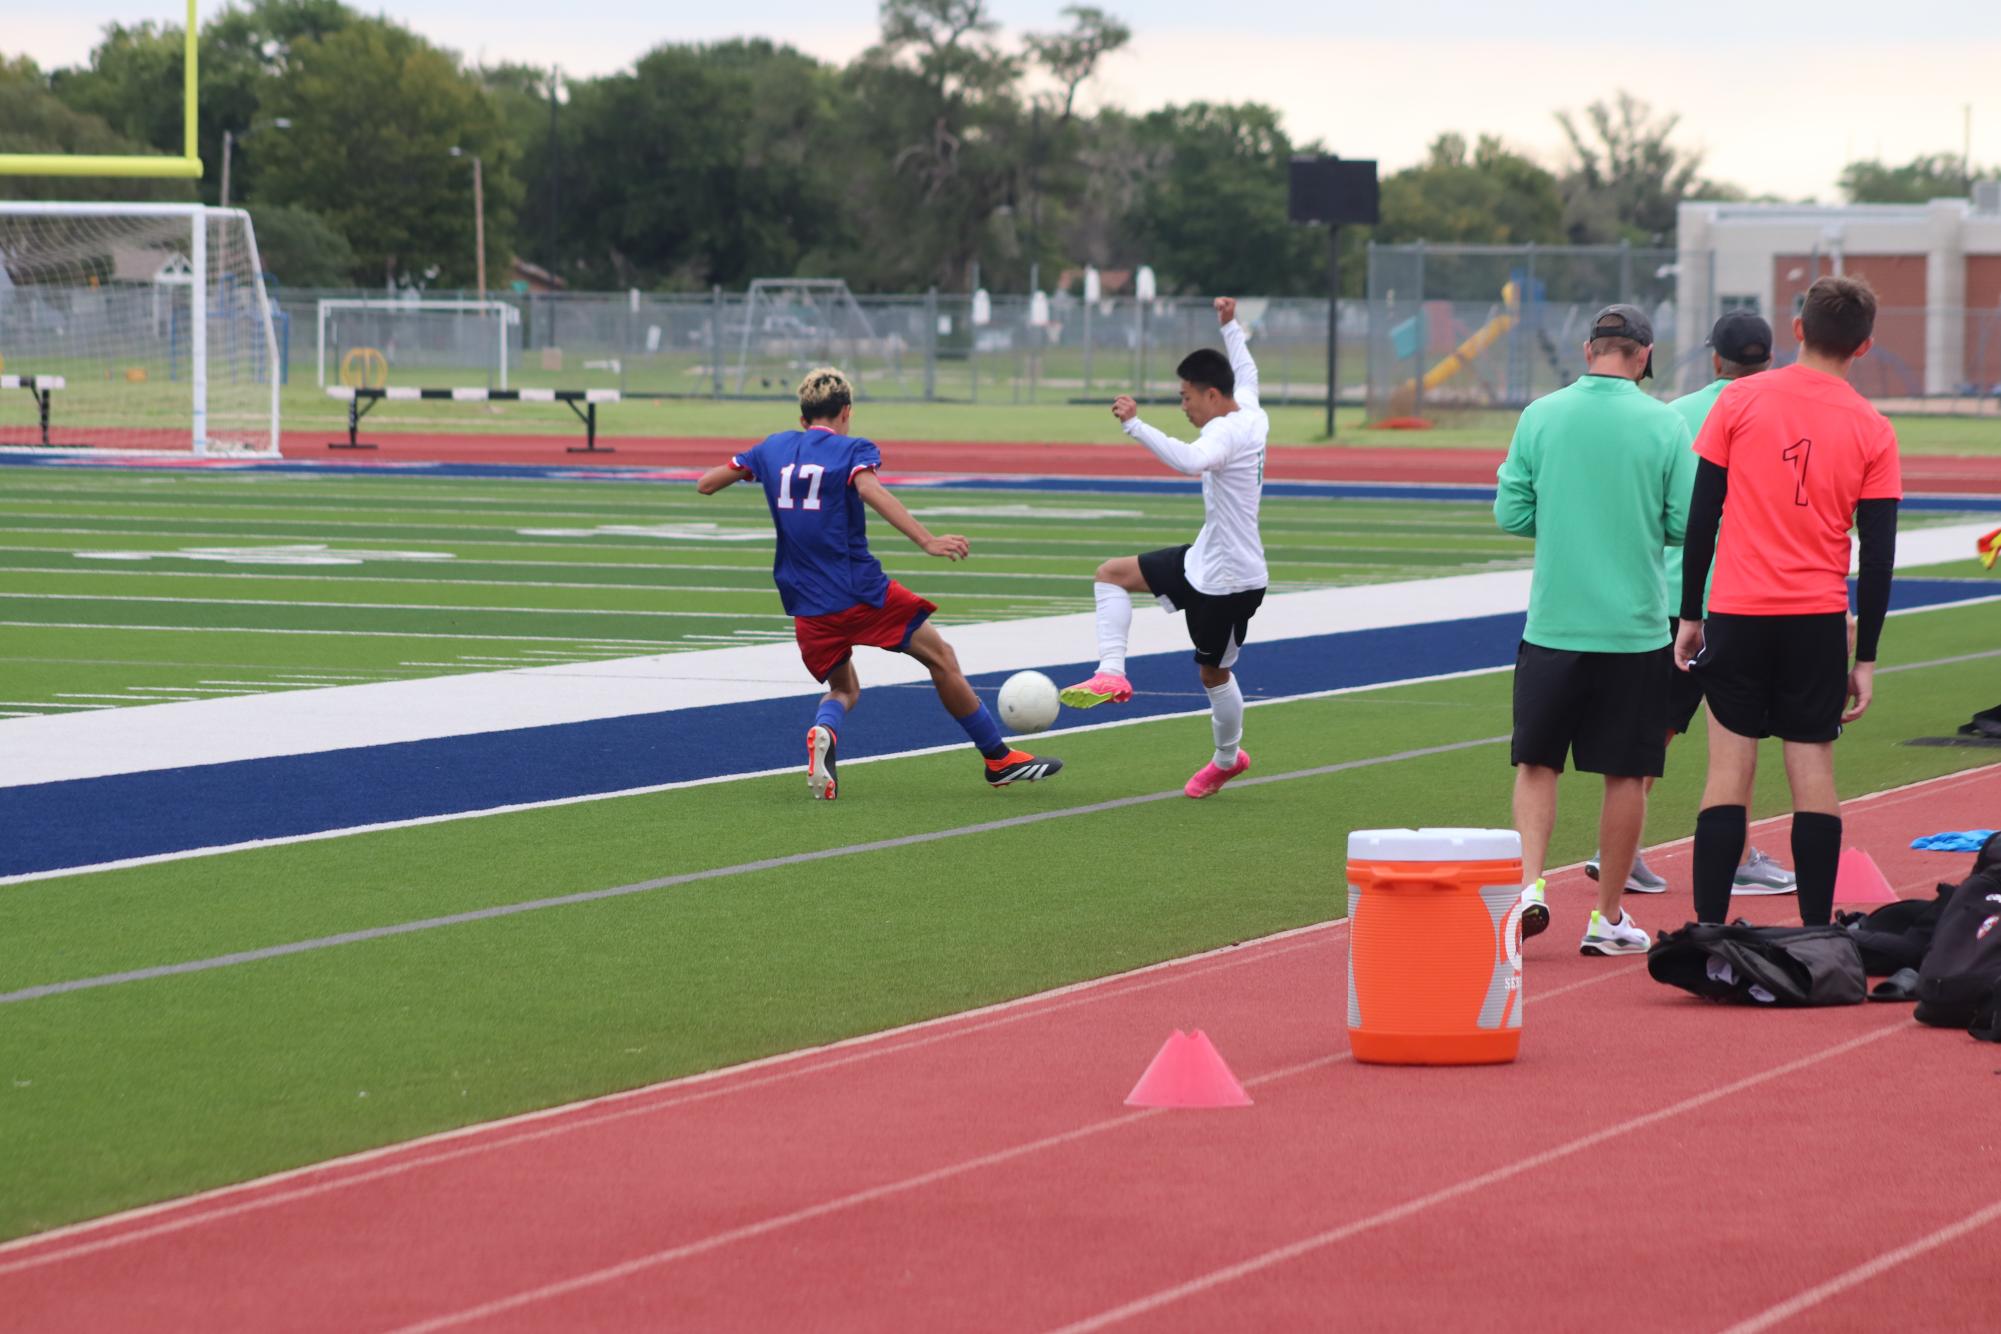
{"points": [[1535, 910], [1621, 937]]}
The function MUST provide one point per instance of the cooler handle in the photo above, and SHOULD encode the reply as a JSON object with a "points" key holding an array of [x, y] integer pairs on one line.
{"points": [[1411, 878]]}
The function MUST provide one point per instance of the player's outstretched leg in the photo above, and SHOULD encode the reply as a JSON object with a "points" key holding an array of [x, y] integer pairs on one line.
{"points": [[1226, 725], [1118, 579], [844, 690], [1004, 764]]}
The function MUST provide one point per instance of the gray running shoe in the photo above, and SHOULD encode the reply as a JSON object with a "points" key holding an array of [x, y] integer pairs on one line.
{"points": [[1641, 880], [1761, 875]]}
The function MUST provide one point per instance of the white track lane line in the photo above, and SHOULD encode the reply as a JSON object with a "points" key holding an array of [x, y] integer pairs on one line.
{"points": [[1862, 1273], [1279, 1255], [765, 1226], [663, 1096]]}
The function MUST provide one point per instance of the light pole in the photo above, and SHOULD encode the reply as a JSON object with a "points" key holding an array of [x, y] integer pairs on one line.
{"points": [[478, 218], [229, 138]]}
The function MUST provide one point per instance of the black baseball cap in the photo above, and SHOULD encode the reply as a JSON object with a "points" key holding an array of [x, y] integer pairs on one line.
{"points": [[1742, 336], [1623, 321]]}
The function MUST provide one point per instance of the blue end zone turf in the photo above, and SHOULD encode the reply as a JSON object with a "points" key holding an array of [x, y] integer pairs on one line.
{"points": [[95, 820]]}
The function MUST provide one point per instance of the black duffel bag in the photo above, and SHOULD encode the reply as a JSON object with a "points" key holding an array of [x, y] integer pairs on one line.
{"points": [[1761, 965]]}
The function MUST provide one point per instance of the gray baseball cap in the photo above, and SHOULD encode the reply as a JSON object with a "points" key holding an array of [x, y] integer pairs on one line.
{"points": [[1623, 321]]}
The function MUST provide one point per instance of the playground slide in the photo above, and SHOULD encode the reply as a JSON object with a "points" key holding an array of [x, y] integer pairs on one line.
{"points": [[1404, 399]]}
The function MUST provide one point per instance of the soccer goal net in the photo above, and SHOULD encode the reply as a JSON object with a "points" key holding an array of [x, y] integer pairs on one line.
{"points": [[136, 327], [371, 342], [789, 325]]}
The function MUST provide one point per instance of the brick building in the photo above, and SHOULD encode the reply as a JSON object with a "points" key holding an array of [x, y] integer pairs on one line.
{"points": [[1936, 269]]}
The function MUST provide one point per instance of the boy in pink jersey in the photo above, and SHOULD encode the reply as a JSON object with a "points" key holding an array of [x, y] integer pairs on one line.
{"points": [[1790, 460]]}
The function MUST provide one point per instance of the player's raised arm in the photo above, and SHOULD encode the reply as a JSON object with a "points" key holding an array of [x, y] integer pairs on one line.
{"points": [[878, 498], [1237, 342], [1204, 455]]}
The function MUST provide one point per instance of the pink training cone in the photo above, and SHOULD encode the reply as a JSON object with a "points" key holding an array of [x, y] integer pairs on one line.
{"points": [[1859, 880], [1188, 1071]]}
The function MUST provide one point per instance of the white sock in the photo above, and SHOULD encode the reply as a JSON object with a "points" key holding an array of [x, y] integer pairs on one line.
{"points": [[1226, 721], [1115, 622]]}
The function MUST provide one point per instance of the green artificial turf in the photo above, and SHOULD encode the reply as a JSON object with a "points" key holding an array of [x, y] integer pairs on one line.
{"points": [[526, 573], [145, 1090]]}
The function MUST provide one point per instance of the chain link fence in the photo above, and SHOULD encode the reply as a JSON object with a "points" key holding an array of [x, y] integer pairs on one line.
{"points": [[1444, 331], [1463, 329]]}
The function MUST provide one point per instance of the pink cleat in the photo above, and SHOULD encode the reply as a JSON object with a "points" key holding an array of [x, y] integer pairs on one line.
{"points": [[1105, 687], [1209, 780]]}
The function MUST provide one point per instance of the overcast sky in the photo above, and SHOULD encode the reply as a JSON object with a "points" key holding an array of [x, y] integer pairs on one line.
{"points": [[1778, 95]]}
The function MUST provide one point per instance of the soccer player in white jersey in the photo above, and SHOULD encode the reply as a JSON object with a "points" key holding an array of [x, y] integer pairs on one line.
{"points": [[1219, 580]]}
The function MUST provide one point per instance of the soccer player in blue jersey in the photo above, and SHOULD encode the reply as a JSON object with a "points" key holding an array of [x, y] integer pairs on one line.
{"points": [[816, 480]]}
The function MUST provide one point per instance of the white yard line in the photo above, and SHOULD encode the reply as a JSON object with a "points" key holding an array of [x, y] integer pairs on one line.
{"points": [[459, 608], [37, 750], [304, 722], [652, 788]]}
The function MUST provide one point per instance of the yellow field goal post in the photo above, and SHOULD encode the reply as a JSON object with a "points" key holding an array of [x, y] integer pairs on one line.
{"points": [[140, 326], [185, 167]]}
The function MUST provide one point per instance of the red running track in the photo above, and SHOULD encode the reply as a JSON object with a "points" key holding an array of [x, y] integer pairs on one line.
{"points": [[1652, 1162], [1293, 463]]}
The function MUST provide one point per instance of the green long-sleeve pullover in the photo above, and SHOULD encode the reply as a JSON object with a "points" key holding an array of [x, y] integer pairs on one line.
{"points": [[1599, 474]]}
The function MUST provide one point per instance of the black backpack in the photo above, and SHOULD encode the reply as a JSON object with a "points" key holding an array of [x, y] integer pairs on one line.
{"points": [[1761, 965], [1959, 985], [1897, 935]]}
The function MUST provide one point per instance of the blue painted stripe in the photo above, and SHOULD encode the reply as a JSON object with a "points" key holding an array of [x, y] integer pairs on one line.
{"points": [[89, 821]]}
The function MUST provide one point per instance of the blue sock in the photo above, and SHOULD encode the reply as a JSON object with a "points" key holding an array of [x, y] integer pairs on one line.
{"points": [[984, 732], [832, 711]]}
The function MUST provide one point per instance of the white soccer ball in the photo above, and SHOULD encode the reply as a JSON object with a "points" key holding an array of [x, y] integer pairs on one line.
{"points": [[1028, 702]]}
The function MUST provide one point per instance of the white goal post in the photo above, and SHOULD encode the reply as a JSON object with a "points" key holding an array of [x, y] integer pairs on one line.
{"points": [[791, 324], [155, 320], [417, 336]]}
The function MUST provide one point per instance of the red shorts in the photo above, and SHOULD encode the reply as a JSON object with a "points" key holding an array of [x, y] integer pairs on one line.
{"points": [[825, 642]]}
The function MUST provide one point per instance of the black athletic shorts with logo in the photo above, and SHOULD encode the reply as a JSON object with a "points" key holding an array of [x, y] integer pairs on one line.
{"points": [[1607, 711], [1684, 690], [1218, 623], [1782, 676]]}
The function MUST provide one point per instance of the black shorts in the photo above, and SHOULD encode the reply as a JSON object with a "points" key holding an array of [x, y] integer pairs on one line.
{"points": [[1218, 623], [1782, 676], [1608, 710], [1684, 692]]}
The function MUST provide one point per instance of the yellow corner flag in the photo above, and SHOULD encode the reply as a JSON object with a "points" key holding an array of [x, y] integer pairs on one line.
{"points": [[1990, 548]]}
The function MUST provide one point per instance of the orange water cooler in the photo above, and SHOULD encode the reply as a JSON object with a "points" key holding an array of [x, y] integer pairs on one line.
{"points": [[1435, 946]]}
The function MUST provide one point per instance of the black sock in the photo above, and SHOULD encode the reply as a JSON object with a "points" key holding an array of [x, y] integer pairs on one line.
{"points": [[1719, 842], [1816, 856]]}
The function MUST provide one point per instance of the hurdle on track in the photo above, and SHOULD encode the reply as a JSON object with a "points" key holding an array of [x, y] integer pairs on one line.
{"points": [[41, 386], [582, 402]]}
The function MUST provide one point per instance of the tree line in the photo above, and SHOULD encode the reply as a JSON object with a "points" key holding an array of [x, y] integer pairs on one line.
{"points": [[944, 156]]}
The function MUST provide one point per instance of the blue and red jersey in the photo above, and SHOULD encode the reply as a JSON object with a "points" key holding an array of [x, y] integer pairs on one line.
{"points": [[822, 563]]}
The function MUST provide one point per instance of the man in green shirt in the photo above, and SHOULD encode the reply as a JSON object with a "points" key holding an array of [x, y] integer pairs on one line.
{"points": [[1599, 474], [1740, 344]]}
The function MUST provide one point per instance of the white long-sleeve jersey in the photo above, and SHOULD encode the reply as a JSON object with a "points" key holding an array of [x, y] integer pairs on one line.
{"points": [[1229, 457]]}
